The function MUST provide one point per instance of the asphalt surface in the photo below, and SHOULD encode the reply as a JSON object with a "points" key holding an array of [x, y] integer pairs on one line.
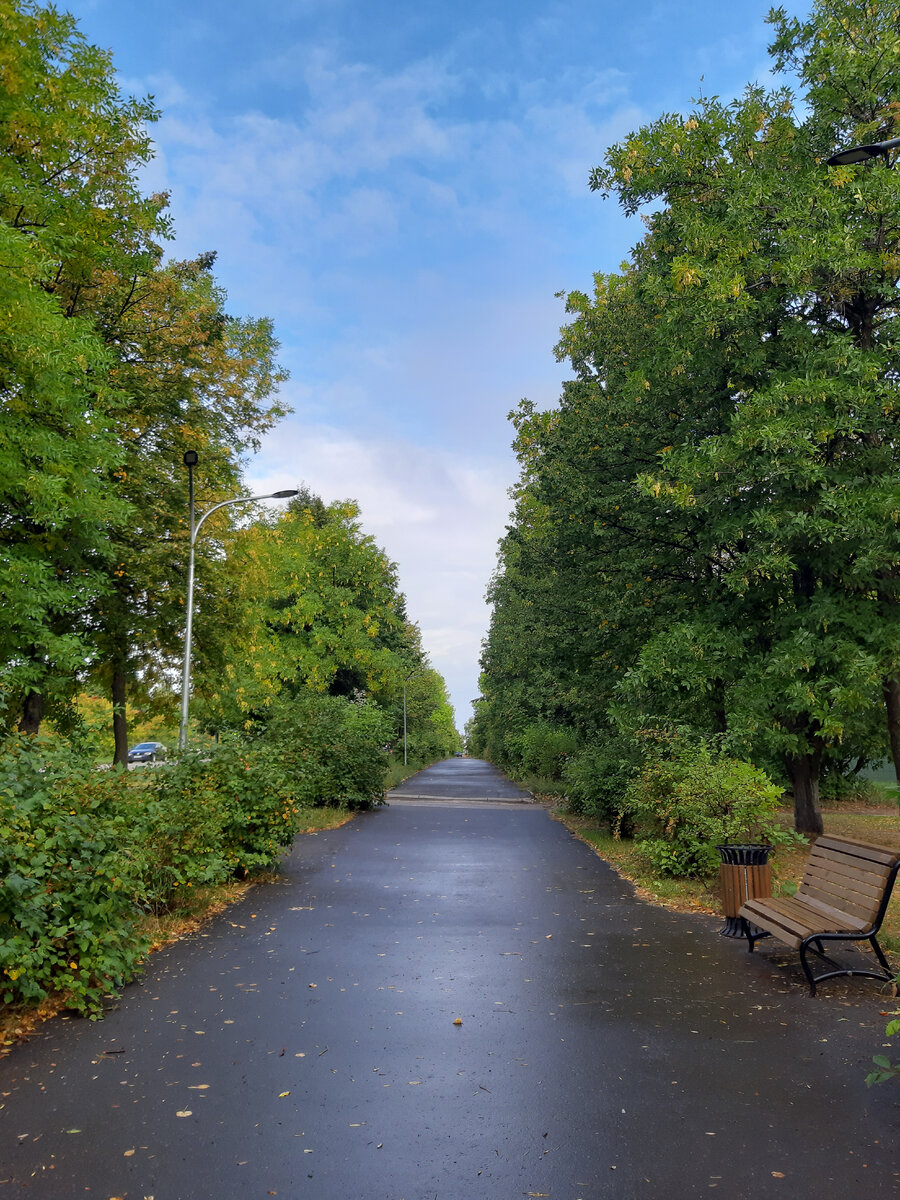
{"points": [[460, 779], [306, 1043]]}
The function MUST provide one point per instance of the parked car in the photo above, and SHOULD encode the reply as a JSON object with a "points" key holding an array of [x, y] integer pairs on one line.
{"points": [[145, 752]]}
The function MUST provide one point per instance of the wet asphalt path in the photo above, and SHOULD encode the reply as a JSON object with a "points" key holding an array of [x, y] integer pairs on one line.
{"points": [[304, 1044]]}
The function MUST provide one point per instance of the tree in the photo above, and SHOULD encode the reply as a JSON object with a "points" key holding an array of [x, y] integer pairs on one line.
{"points": [[727, 455], [151, 363], [325, 614], [196, 378], [69, 208], [320, 614]]}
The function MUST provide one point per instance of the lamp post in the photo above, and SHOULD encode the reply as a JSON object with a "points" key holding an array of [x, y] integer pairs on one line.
{"points": [[190, 461], [857, 154]]}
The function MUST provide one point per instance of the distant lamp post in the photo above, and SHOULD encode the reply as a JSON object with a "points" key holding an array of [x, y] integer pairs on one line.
{"points": [[858, 154], [410, 676], [190, 461]]}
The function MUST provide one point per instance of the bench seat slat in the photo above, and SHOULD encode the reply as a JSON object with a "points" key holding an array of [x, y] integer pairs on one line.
{"points": [[803, 919], [788, 919], [842, 920]]}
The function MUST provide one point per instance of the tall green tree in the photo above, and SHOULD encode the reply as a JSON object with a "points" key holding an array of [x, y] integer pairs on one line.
{"points": [[728, 452], [323, 614], [69, 207], [170, 368], [195, 378], [320, 614]]}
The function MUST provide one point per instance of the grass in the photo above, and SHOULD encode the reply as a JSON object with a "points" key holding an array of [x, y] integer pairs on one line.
{"points": [[18, 1021], [865, 821]]}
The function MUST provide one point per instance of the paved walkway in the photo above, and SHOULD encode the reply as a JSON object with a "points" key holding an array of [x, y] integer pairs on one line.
{"points": [[460, 779], [306, 1044]]}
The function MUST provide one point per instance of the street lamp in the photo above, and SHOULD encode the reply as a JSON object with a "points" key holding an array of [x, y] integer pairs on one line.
{"points": [[858, 154], [190, 461]]}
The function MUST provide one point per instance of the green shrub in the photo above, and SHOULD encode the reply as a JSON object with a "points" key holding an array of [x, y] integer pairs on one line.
{"points": [[85, 854], [179, 826], [326, 750], [597, 778], [541, 749], [687, 799], [68, 897]]}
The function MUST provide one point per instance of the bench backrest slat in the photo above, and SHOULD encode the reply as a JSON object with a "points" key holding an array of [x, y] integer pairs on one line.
{"points": [[863, 907], [848, 876], [864, 882], [863, 850], [841, 892], [849, 862]]}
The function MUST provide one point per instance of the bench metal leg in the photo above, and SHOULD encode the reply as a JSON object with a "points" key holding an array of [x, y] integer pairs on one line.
{"points": [[806, 968], [879, 954], [752, 933], [886, 975]]}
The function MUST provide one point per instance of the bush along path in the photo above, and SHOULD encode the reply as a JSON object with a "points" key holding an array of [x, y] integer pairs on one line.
{"points": [[89, 859]]}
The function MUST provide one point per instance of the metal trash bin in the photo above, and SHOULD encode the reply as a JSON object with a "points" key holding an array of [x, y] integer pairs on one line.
{"points": [[744, 874]]}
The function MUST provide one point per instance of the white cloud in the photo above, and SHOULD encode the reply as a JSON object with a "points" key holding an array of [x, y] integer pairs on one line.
{"points": [[437, 518]]}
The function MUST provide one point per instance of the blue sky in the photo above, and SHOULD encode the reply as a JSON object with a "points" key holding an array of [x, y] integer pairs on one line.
{"points": [[402, 187]]}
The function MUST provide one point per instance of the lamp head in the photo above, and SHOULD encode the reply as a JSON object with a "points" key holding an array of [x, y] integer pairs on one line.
{"points": [[191, 458], [284, 495], [858, 154]]}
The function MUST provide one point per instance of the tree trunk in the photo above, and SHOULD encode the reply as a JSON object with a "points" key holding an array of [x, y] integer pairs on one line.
{"points": [[120, 719], [803, 771], [891, 690], [32, 713]]}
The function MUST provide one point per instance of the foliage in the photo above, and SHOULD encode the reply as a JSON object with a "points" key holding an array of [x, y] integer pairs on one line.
{"points": [[320, 750], [85, 853], [598, 777], [69, 898], [69, 211], [542, 749], [321, 615], [706, 525], [687, 799], [884, 1068], [111, 363]]}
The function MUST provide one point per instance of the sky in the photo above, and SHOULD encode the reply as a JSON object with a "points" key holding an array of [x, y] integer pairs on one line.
{"points": [[402, 187]]}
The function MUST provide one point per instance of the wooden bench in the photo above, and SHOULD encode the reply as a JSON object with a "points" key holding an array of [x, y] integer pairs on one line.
{"points": [[843, 897]]}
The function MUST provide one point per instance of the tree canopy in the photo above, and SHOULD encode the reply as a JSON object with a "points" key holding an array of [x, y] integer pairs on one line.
{"points": [[114, 360], [707, 526]]}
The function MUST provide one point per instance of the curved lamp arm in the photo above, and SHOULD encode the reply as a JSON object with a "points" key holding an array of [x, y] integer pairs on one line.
{"points": [[189, 617]]}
